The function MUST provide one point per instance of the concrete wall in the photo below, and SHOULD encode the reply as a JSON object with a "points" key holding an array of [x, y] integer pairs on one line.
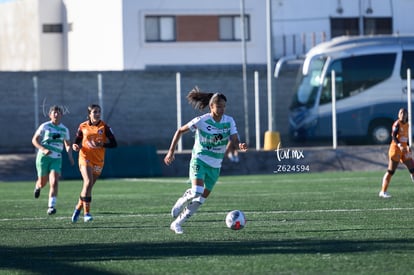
{"points": [[19, 32], [309, 160], [139, 105]]}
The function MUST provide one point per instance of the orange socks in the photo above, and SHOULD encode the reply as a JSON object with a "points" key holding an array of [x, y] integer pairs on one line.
{"points": [[79, 206], [85, 203], [86, 207]]}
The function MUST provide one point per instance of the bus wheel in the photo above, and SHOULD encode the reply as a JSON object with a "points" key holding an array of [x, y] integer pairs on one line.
{"points": [[380, 132]]}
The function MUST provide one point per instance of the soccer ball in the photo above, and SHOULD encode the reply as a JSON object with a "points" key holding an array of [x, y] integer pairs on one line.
{"points": [[235, 220]]}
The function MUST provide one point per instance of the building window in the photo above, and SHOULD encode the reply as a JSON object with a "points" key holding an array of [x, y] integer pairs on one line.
{"points": [[195, 28], [371, 25], [344, 26], [159, 28], [52, 28], [375, 25], [230, 28]]}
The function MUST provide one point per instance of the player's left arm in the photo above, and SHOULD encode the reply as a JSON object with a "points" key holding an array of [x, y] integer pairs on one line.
{"points": [[234, 141], [234, 138], [111, 140]]}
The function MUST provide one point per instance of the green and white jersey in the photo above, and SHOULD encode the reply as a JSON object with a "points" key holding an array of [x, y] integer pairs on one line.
{"points": [[211, 138], [52, 137]]}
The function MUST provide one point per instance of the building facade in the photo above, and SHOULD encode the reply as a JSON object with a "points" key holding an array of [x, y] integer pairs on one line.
{"points": [[116, 35]]}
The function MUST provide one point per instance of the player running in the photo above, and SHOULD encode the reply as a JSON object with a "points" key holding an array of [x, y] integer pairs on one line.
{"points": [[92, 137], [213, 131], [399, 151], [49, 140]]}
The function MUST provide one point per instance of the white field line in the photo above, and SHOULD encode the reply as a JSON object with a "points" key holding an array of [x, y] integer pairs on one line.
{"points": [[223, 213], [250, 181]]}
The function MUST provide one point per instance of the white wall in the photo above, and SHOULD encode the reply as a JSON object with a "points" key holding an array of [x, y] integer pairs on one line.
{"points": [[403, 13], [51, 46], [96, 39], [138, 53], [19, 36]]}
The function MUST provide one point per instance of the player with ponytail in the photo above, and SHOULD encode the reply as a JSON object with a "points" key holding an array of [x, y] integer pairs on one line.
{"points": [[215, 133]]}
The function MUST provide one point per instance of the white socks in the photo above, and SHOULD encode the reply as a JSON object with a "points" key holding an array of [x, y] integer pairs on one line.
{"points": [[190, 210], [52, 202]]}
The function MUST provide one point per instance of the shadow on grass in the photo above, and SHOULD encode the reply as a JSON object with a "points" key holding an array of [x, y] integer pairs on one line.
{"points": [[63, 259]]}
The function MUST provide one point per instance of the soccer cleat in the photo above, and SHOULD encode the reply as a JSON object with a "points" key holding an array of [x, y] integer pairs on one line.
{"points": [[176, 228], [51, 210], [87, 218], [180, 204], [75, 215], [178, 207], [384, 195], [36, 193]]}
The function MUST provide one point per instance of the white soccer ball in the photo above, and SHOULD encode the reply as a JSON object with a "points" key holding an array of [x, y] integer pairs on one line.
{"points": [[235, 220]]}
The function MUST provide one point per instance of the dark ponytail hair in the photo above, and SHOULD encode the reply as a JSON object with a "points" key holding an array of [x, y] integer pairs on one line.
{"points": [[200, 100]]}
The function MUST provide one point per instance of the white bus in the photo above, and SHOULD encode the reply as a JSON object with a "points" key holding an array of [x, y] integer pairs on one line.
{"points": [[371, 86]]}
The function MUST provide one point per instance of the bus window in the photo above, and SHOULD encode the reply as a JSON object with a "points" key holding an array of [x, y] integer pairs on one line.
{"points": [[356, 74], [308, 85], [326, 95], [407, 63]]}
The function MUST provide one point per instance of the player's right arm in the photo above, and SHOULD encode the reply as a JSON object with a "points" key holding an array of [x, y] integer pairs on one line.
{"points": [[78, 140], [169, 158], [36, 143]]}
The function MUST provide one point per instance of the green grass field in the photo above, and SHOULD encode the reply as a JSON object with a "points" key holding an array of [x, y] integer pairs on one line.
{"points": [[310, 223]]}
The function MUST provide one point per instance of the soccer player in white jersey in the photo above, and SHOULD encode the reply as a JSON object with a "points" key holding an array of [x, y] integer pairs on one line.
{"points": [[215, 133], [49, 140]]}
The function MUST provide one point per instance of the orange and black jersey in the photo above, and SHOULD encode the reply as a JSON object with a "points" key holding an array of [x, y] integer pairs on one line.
{"points": [[400, 132], [88, 133]]}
